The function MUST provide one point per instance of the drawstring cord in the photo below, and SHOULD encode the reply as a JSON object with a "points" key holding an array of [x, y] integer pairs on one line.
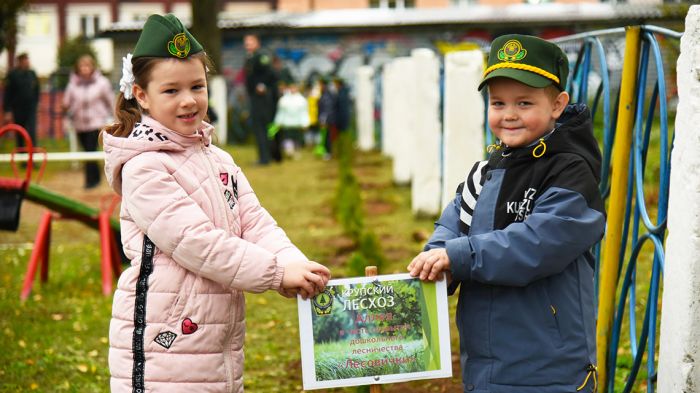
{"points": [[537, 152], [493, 147], [592, 370], [542, 146]]}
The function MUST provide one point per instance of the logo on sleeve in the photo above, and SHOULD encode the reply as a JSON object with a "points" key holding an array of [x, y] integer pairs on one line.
{"points": [[231, 195]]}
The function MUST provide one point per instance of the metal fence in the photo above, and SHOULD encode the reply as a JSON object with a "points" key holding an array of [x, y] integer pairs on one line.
{"points": [[631, 106]]}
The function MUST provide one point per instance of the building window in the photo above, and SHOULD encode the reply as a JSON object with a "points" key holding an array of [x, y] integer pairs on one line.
{"points": [[392, 4], [89, 25]]}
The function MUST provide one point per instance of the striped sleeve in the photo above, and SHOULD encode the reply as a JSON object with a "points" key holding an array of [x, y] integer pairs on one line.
{"points": [[470, 190]]}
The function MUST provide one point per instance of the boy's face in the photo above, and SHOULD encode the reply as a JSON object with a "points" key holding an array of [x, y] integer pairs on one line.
{"points": [[520, 114], [176, 95]]}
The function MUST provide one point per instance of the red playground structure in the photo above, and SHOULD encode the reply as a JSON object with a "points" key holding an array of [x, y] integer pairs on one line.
{"points": [[14, 190]]}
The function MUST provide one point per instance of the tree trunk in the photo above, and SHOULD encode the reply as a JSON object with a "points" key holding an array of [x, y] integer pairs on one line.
{"points": [[204, 27]]}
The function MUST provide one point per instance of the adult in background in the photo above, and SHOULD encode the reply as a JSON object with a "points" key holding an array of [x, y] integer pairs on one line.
{"points": [[260, 85], [21, 98], [88, 102], [326, 118], [342, 106]]}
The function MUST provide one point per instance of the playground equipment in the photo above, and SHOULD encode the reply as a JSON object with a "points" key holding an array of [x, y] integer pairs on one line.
{"points": [[14, 190]]}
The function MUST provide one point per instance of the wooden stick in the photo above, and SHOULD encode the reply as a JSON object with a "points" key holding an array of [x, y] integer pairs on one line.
{"points": [[371, 271]]}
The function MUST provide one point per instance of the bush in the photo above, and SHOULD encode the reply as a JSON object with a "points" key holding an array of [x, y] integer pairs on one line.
{"points": [[349, 212], [68, 54]]}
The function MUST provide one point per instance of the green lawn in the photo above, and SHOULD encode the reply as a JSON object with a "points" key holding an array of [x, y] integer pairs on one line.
{"points": [[57, 340]]}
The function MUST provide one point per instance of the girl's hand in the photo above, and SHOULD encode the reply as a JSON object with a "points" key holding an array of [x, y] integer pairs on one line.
{"points": [[430, 265], [309, 278]]}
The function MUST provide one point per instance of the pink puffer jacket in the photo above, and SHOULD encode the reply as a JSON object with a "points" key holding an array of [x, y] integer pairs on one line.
{"points": [[213, 241], [89, 102]]}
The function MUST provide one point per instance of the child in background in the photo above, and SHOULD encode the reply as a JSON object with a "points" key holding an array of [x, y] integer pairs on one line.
{"points": [[192, 226], [518, 235], [292, 118], [313, 94]]}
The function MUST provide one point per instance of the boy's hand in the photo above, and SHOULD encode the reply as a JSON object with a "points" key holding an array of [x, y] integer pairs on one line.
{"points": [[430, 265], [306, 278]]}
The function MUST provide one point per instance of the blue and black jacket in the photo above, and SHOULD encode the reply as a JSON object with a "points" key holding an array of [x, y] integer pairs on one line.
{"points": [[521, 253]]}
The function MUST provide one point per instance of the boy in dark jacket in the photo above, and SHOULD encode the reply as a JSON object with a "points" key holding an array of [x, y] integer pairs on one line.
{"points": [[522, 252]]}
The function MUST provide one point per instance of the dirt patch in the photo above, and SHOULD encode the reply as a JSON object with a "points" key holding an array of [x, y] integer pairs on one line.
{"points": [[342, 245], [369, 185], [368, 161], [377, 207]]}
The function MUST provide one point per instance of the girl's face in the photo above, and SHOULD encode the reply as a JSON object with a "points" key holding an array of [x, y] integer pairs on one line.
{"points": [[176, 95]]}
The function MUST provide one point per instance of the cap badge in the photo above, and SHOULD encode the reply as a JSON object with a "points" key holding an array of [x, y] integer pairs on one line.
{"points": [[179, 46], [512, 51]]}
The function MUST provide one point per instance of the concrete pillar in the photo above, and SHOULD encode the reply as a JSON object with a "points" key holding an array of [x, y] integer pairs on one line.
{"points": [[398, 111], [427, 133], [463, 114], [217, 100], [679, 357], [364, 107]]}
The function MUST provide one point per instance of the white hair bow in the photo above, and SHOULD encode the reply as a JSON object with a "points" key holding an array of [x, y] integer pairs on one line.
{"points": [[127, 81]]}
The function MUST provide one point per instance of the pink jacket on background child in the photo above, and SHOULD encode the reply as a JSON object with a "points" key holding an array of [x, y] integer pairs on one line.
{"points": [[213, 241], [89, 102]]}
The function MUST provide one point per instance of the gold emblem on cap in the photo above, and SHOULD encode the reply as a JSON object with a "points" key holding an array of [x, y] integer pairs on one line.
{"points": [[179, 46], [512, 51]]}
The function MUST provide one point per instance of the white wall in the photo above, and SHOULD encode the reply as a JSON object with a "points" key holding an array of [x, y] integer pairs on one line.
{"points": [[679, 356]]}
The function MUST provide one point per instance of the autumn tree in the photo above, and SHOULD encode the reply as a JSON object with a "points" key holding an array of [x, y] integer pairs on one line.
{"points": [[8, 25]]}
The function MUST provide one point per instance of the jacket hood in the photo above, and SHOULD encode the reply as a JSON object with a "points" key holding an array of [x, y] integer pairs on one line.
{"points": [[148, 135], [573, 134]]}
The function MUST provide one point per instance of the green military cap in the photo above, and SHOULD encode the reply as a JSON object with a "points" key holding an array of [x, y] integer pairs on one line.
{"points": [[165, 36], [527, 59]]}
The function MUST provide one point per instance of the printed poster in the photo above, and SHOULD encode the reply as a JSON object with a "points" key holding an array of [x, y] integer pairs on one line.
{"points": [[372, 330]]}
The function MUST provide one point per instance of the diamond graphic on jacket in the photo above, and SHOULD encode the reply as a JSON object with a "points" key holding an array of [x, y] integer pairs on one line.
{"points": [[165, 339]]}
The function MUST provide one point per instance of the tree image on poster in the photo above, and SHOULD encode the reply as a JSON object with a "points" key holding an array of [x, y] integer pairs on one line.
{"points": [[375, 328]]}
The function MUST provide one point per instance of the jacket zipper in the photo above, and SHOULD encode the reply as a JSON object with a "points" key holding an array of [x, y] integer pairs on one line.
{"points": [[213, 175], [228, 364]]}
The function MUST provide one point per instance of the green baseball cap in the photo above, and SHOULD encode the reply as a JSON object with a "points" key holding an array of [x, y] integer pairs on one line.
{"points": [[527, 59], [165, 36]]}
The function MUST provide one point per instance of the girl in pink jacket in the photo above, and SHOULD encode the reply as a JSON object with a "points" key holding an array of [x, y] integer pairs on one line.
{"points": [[191, 225], [88, 101]]}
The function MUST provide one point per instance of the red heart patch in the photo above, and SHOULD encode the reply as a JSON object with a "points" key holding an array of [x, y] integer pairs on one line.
{"points": [[189, 327]]}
